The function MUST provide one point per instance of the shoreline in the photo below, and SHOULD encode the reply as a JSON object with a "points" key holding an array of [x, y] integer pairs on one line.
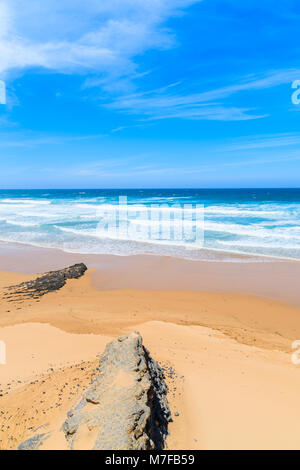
{"points": [[211, 254], [237, 222], [271, 279]]}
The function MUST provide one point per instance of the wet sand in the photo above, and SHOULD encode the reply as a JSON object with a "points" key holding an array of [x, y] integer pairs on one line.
{"points": [[265, 277]]}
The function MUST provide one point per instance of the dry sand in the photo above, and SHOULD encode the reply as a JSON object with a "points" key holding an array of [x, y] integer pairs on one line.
{"points": [[234, 385]]}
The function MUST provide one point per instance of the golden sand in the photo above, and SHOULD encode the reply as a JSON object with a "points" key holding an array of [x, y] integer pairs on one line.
{"points": [[234, 385]]}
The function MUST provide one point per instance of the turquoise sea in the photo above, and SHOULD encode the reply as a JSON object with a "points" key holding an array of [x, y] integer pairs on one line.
{"points": [[247, 221]]}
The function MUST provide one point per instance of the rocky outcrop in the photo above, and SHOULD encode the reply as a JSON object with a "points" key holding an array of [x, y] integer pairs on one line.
{"points": [[49, 282], [125, 408]]}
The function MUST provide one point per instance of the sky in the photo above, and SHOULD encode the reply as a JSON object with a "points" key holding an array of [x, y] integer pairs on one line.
{"points": [[149, 93]]}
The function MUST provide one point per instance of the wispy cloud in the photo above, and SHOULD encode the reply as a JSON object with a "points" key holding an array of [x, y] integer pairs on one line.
{"points": [[104, 39], [99, 36], [30, 140], [174, 101], [276, 141]]}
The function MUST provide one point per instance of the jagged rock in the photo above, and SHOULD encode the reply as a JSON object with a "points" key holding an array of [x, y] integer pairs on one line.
{"points": [[126, 407], [49, 282]]}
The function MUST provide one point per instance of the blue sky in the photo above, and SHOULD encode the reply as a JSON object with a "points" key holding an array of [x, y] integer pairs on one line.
{"points": [[149, 93]]}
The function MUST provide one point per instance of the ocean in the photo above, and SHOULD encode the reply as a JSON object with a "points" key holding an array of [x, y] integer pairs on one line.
{"points": [[186, 223]]}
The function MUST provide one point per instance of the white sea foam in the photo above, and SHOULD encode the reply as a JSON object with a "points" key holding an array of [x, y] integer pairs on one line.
{"points": [[261, 244], [21, 223], [24, 201], [73, 224], [255, 230], [229, 211]]}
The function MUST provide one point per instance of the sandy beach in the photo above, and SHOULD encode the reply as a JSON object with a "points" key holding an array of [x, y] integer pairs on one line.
{"points": [[149, 227], [224, 329]]}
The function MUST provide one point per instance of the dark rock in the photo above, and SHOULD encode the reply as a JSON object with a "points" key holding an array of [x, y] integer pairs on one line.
{"points": [[49, 282], [125, 408]]}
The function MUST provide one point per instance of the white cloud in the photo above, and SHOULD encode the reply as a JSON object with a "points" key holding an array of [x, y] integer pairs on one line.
{"points": [[90, 35], [105, 38], [174, 101], [276, 141]]}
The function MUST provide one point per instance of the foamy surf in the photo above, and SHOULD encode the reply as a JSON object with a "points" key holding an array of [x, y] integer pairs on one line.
{"points": [[247, 222]]}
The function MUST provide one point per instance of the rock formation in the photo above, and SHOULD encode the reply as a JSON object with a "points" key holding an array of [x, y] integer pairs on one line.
{"points": [[126, 407], [49, 282]]}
